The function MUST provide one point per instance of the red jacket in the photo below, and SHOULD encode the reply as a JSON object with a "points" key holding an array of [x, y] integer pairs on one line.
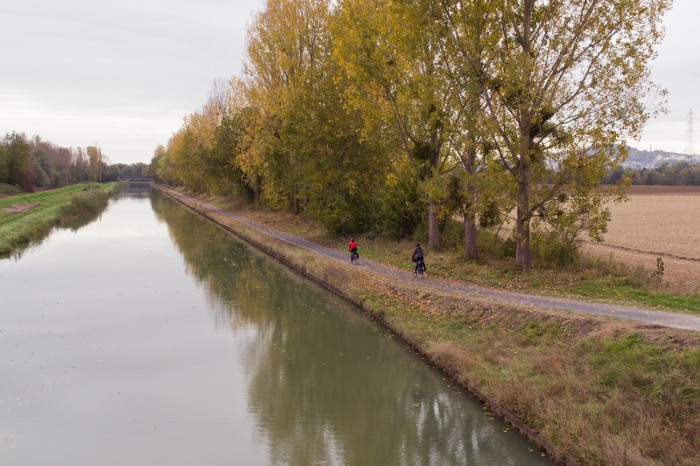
{"points": [[352, 245]]}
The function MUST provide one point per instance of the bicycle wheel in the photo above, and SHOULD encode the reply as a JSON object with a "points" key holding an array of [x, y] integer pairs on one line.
{"points": [[418, 272]]}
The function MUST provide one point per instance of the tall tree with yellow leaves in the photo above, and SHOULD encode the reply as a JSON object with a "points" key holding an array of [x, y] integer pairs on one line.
{"points": [[564, 84], [285, 44], [390, 51]]}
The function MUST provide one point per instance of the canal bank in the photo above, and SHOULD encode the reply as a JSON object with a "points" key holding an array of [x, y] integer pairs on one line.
{"points": [[151, 336], [586, 389], [29, 217]]}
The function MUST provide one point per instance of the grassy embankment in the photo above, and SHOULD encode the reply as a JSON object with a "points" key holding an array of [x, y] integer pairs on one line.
{"points": [[28, 217], [589, 390], [591, 279]]}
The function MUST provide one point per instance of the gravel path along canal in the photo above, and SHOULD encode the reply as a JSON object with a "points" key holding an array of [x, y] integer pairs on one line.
{"points": [[648, 316]]}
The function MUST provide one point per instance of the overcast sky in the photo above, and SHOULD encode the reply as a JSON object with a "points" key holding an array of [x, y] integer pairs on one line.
{"points": [[122, 74]]}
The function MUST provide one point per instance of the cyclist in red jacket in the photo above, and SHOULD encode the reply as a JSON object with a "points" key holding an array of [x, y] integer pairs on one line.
{"points": [[352, 247]]}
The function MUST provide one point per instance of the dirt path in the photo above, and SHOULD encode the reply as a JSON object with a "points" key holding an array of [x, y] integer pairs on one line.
{"points": [[667, 319], [18, 208]]}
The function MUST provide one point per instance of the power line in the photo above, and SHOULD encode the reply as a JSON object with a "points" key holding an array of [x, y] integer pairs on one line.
{"points": [[690, 134]]}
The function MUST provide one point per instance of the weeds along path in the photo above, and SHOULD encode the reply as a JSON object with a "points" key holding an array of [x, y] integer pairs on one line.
{"points": [[648, 316]]}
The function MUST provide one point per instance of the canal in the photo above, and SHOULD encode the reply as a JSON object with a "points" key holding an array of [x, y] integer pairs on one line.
{"points": [[151, 336]]}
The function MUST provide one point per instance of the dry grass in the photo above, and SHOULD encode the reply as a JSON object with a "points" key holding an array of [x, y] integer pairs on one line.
{"points": [[601, 392], [282, 220]]}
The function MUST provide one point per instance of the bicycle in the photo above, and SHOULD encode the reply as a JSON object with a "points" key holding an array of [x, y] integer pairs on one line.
{"points": [[354, 257], [419, 272]]}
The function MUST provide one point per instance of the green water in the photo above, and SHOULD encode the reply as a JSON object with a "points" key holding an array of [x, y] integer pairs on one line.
{"points": [[152, 337]]}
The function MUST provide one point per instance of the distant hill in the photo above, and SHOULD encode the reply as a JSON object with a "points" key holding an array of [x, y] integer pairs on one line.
{"points": [[639, 159]]}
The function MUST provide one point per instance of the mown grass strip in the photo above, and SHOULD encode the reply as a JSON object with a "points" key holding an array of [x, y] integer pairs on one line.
{"points": [[43, 210], [687, 304]]}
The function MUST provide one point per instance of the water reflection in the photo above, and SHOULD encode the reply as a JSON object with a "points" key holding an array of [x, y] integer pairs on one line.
{"points": [[325, 386]]}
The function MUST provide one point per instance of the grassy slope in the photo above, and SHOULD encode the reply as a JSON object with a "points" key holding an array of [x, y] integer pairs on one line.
{"points": [[20, 228], [592, 390], [601, 393]]}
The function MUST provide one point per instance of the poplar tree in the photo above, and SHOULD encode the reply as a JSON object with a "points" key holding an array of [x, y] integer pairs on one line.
{"points": [[95, 162], [285, 50], [390, 52], [465, 38], [564, 84]]}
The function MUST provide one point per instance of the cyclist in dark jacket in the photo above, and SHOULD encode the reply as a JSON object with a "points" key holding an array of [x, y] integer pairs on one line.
{"points": [[418, 257]]}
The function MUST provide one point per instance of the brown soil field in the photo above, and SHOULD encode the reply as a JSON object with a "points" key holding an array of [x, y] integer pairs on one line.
{"points": [[638, 190], [661, 221]]}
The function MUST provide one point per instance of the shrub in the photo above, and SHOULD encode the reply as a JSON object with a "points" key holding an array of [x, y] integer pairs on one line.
{"points": [[490, 216], [402, 207], [452, 235], [551, 248], [9, 190], [492, 246], [87, 203]]}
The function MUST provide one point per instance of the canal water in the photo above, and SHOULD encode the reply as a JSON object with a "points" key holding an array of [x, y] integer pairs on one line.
{"points": [[152, 337]]}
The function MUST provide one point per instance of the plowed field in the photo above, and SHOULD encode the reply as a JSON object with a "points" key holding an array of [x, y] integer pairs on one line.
{"points": [[657, 221]]}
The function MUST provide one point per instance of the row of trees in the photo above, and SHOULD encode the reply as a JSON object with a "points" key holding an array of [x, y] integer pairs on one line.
{"points": [[670, 174], [33, 163], [385, 113]]}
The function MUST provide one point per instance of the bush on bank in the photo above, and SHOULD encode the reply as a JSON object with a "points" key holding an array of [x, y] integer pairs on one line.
{"points": [[9, 190], [84, 204]]}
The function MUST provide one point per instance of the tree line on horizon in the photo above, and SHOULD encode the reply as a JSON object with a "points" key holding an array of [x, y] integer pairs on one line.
{"points": [[679, 173], [32, 163], [396, 116]]}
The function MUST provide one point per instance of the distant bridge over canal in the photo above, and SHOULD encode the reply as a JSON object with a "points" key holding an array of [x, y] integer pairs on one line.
{"points": [[139, 179]]}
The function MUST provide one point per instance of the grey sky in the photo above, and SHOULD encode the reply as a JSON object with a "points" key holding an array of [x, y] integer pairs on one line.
{"points": [[123, 74], [677, 68]]}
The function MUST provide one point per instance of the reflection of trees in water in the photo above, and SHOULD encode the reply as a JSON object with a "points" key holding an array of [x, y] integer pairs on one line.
{"points": [[324, 387], [79, 223]]}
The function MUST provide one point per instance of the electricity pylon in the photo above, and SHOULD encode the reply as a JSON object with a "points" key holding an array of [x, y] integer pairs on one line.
{"points": [[690, 134]]}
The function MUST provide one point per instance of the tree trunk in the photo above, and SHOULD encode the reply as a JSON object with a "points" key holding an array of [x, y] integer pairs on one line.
{"points": [[433, 231], [523, 259], [469, 210], [470, 235]]}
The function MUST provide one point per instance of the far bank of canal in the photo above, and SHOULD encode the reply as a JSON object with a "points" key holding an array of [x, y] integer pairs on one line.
{"points": [[151, 336]]}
